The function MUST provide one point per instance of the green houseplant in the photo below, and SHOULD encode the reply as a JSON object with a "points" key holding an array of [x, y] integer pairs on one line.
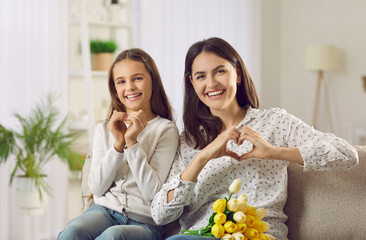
{"points": [[102, 54], [37, 142]]}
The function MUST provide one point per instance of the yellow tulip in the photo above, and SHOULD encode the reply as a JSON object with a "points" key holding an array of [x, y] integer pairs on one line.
{"points": [[232, 205], [250, 221], [239, 217], [259, 214], [270, 237], [227, 236], [220, 218], [217, 230], [235, 186], [261, 226], [241, 227], [219, 205], [230, 227], [250, 211], [243, 199], [263, 236], [251, 233], [238, 236]]}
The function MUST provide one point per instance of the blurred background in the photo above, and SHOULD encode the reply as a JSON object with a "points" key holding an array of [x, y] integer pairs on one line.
{"points": [[45, 46]]}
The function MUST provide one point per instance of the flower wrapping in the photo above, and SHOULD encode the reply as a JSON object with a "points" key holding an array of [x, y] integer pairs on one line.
{"points": [[232, 218]]}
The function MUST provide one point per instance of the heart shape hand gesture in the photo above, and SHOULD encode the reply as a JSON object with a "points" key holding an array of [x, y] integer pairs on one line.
{"points": [[122, 134], [217, 148]]}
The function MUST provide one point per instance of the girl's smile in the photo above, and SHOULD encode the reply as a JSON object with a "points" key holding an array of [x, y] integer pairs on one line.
{"points": [[133, 96]]}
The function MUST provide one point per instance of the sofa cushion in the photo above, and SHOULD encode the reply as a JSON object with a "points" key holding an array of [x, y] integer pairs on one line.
{"points": [[327, 205]]}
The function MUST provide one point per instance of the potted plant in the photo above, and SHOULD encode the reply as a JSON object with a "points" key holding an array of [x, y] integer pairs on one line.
{"points": [[36, 143], [102, 54]]}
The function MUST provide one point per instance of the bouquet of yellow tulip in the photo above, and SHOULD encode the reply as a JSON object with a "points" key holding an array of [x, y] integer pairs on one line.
{"points": [[234, 219]]}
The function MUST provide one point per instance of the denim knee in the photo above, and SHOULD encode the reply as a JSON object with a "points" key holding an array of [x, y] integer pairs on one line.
{"points": [[113, 233], [73, 232], [189, 237], [177, 237]]}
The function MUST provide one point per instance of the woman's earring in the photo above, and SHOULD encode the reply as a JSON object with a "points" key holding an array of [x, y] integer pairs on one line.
{"points": [[238, 83]]}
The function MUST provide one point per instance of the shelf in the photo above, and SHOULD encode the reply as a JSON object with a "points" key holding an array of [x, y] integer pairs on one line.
{"points": [[109, 24], [76, 21], [79, 73], [87, 20]]}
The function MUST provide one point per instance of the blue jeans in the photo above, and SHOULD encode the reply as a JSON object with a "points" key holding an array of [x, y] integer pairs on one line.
{"points": [[102, 223], [189, 237]]}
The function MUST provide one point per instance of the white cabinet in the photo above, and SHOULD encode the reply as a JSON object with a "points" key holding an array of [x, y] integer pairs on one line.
{"points": [[88, 93]]}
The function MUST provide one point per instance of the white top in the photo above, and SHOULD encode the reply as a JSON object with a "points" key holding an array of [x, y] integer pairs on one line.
{"points": [[263, 181], [127, 182]]}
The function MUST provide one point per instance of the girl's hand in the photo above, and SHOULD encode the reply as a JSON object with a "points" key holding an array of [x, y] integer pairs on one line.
{"points": [[217, 148], [138, 123], [261, 148], [118, 128]]}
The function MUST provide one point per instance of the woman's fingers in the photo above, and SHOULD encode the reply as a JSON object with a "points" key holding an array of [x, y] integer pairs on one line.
{"points": [[248, 134], [231, 154]]}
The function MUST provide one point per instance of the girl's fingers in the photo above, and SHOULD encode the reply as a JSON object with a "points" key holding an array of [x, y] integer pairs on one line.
{"points": [[137, 119], [119, 115]]}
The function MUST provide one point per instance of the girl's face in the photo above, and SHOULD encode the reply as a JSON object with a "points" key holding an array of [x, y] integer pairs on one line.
{"points": [[214, 79], [133, 84]]}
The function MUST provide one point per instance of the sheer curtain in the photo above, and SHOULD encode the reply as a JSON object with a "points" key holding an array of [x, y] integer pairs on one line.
{"points": [[33, 61], [166, 29]]}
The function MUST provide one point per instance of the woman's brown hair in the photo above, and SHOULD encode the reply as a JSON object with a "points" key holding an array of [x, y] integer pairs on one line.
{"points": [[159, 100], [200, 126]]}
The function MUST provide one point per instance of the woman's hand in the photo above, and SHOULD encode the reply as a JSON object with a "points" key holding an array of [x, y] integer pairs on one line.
{"points": [[118, 128], [264, 150], [217, 148], [261, 148], [138, 123]]}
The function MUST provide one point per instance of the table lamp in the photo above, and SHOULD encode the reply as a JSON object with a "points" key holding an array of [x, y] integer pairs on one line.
{"points": [[321, 58]]}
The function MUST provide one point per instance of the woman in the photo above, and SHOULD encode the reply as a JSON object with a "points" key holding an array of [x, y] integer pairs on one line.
{"points": [[226, 137]]}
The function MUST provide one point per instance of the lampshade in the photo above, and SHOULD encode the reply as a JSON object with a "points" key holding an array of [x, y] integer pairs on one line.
{"points": [[321, 58]]}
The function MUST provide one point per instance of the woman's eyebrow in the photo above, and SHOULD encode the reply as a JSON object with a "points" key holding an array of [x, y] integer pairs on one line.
{"points": [[220, 66], [198, 73]]}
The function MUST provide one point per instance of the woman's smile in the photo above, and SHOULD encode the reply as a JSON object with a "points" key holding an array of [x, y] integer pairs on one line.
{"points": [[216, 94]]}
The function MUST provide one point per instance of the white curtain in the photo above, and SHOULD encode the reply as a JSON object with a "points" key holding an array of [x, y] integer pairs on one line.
{"points": [[33, 61], [167, 28]]}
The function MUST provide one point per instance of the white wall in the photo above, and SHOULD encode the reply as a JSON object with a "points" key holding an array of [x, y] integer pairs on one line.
{"points": [[337, 22]]}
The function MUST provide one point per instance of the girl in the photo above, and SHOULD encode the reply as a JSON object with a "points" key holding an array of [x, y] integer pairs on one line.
{"points": [[226, 137], [132, 154]]}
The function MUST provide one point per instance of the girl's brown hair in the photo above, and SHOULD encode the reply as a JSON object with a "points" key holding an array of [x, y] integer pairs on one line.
{"points": [[200, 126], [159, 100]]}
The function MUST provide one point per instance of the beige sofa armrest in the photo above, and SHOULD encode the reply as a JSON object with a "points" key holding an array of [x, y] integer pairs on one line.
{"points": [[327, 205], [86, 195]]}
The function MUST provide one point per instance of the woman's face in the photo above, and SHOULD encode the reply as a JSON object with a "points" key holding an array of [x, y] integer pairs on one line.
{"points": [[133, 85], [214, 79]]}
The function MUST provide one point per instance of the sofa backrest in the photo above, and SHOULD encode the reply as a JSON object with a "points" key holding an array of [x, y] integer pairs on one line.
{"points": [[327, 205]]}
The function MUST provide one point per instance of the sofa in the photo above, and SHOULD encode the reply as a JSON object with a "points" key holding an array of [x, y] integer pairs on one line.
{"points": [[320, 205]]}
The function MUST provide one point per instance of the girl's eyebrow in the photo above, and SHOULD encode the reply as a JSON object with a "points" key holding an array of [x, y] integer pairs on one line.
{"points": [[134, 75], [215, 69]]}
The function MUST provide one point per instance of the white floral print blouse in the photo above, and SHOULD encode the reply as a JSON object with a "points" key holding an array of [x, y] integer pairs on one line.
{"points": [[263, 181]]}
